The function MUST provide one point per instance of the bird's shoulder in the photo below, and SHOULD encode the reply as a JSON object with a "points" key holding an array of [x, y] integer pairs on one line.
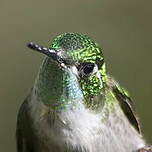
{"points": [[125, 102], [24, 132]]}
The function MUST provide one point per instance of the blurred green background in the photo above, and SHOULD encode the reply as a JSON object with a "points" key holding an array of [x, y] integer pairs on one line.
{"points": [[123, 28]]}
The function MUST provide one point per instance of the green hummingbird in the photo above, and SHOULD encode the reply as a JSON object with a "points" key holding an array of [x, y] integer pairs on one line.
{"points": [[75, 106]]}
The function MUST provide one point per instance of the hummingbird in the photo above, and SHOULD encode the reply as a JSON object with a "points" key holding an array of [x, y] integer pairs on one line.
{"points": [[75, 106]]}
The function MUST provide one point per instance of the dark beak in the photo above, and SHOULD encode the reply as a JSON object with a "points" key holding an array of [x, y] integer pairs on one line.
{"points": [[51, 52]]}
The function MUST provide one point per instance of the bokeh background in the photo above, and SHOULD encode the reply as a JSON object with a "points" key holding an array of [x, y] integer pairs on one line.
{"points": [[122, 27]]}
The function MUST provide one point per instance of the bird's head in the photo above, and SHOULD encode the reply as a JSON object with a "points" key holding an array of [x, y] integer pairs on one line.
{"points": [[80, 55]]}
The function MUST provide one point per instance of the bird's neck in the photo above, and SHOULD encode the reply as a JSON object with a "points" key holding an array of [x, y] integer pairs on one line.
{"points": [[56, 88]]}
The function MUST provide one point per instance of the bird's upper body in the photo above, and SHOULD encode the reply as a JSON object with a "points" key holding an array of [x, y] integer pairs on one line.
{"points": [[74, 106]]}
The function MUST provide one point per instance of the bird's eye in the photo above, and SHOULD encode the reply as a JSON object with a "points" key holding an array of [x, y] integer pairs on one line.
{"points": [[86, 69]]}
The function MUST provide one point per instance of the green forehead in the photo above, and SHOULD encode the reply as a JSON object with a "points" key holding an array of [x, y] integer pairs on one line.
{"points": [[78, 46]]}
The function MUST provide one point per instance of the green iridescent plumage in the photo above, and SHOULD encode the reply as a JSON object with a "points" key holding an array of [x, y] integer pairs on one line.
{"points": [[75, 106], [82, 49]]}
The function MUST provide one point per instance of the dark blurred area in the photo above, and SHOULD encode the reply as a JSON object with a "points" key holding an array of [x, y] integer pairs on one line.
{"points": [[122, 28]]}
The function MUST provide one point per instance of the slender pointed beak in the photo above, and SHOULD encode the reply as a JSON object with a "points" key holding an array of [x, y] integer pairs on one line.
{"points": [[51, 52]]}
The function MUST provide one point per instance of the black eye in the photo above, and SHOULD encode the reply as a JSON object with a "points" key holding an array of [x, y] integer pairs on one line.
{"points": [[86, 69]]}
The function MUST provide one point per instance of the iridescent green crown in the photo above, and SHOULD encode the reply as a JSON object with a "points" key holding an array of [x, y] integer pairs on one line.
{"points": [[82, 49]]}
